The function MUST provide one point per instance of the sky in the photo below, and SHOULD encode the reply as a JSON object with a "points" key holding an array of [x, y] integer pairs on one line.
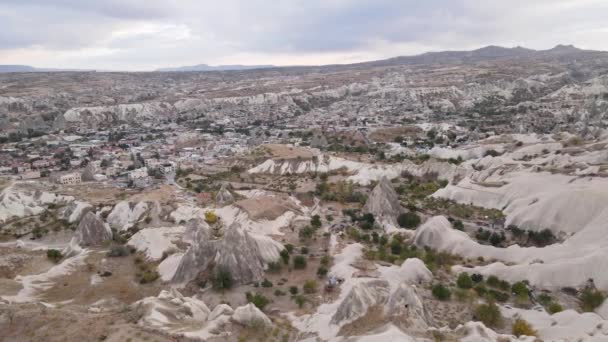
{"points": [[148, 34]]}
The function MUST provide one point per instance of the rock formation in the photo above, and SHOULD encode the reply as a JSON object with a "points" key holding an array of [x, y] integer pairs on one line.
{"points": [[92, 231], [407, 309], [88, 175], [224, 196], [249, 315], [383, 202], [360, 298], [125, 214], [236, 251]]}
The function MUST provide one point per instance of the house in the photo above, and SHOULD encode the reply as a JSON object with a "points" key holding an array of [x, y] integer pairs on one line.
{"points": [[69, 178], [41, 163], [30, 175], [138, 174]]}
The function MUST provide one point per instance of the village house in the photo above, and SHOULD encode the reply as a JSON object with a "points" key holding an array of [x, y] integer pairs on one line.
{"points": [[68, 178]]}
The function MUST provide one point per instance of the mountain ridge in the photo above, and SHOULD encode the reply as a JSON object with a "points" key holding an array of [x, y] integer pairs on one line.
{"points": [[486, 53]]}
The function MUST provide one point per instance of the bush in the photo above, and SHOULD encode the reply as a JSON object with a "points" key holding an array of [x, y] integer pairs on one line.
{"points": [[591, 299], [293, 290], [396, 246], [260, 301], [520, 289], [148, 276], [278, 293], [489, 314], [409, 220], [266, 283], [285, 256], [274, 267], [210, 217], [441, 292], [477, 278], [310, 286], [458, 225], [522, 328], [54, 255], [480, 289], [322, 271], [554, 308], [119, 251], [325, 260], [315, 221], [306, 233], [497, 283], [289, 247], [464, 281], [498, 295], [300, 300], [222, 280], [304, 250], [299, 262]]}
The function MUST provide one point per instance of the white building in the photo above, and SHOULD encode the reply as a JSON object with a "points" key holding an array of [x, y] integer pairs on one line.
{"points": [[30, 175], [69, 178], [138, 174]]}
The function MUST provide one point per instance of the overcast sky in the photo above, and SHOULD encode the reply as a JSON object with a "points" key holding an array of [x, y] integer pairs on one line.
{"points": [[148, 34]]}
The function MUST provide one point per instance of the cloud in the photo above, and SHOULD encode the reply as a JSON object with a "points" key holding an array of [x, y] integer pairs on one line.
{"points": [[143, 34]]}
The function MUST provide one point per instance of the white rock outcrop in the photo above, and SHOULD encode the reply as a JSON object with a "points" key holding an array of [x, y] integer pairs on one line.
{"points": [[249, 315], [236, 251], [92, 231]]}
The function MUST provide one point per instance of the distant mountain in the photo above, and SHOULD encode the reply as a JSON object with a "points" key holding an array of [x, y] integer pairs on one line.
{"points": [[16, 68], [27, 68], [487, 53], [205, 67]]}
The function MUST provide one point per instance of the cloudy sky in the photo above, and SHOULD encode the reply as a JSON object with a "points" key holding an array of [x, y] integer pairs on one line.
{"points": [[148, 34]]}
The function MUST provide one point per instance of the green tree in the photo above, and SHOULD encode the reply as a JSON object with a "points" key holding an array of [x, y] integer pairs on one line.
{"points": [[464, 281], [409, 220]]}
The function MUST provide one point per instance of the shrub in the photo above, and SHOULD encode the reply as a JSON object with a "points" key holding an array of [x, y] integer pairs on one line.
{"points": [[306, 233], [520, 289], [274, 267], [222, 280], [315, 221], [322, 271], [441, 292], [480, 289], [300, 300], [54, 255], [464, 281], [325, 260], [395, 246], [278, 293], [554, 308], [260, 301], [119, 251], [299, 262], [522, 328], [285, 256], [498, 295], [409, 220], [148, 276], [210, 217], [293, 290], [266, 283], [304, 250], [591, 299], [289, 247], [489, 314], [458, 225], [477, 278], [310, 286]]}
